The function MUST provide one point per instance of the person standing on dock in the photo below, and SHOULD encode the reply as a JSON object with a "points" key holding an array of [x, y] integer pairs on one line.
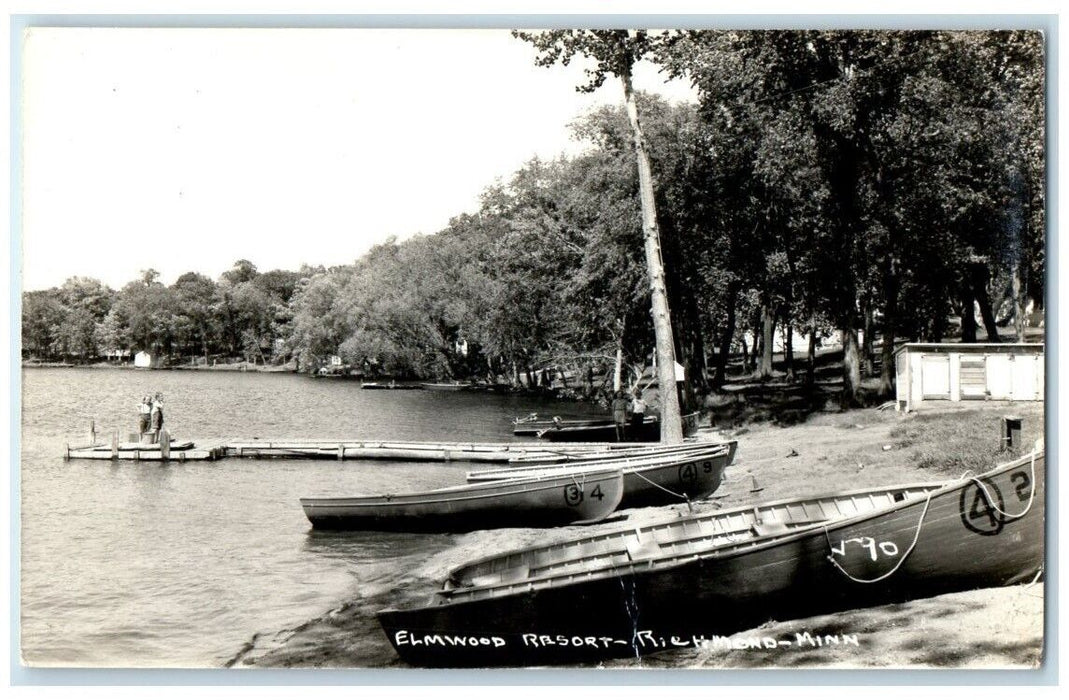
{"points": [[144, 413], [619, 415], [157, 416], [638, 409]]}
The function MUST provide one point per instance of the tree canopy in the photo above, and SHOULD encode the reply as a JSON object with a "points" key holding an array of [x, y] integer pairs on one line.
{"points": [[847, 183]]}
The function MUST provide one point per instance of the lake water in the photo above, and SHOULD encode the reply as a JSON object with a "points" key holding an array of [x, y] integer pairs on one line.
{"points": [[192, 564]]}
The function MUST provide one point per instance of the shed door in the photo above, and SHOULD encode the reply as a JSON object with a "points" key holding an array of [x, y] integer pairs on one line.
{"points": [[1024, 378], [999, 379], [935, 376], [973, 377]]}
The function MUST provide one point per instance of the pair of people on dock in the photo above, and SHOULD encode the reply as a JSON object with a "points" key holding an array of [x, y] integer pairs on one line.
{"points": [[150, 416], [626, 411]]}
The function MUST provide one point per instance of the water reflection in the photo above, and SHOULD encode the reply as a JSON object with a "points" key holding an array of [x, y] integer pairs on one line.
{"points": [[368, 546]]}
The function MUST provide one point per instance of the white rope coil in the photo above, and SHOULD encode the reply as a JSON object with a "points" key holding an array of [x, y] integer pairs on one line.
{"points": [[902, 560]]}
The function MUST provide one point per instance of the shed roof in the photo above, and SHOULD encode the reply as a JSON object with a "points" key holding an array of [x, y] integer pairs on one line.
{"points": [[972, 347]]}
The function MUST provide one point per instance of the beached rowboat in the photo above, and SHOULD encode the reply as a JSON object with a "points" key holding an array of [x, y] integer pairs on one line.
{"points": [[676, 536], [676, 476], [530, 502], [550, 456], [972, 532]]}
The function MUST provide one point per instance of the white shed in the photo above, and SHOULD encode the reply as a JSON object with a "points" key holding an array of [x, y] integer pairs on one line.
{"points": [[142, 359], [967, 372]]}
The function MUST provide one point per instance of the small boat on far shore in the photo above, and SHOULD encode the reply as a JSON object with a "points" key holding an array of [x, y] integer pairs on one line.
{"points": [[446, 386], [535, 501], [391, 386]]}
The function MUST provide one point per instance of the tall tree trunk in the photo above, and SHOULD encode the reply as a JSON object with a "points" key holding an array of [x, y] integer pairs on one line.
{"points": [[811, 354], [968, 316], [1018, 300], [671, 416], [758, 336], [987, 314], [979, 276], [768, 321], [618, 371], [887, 361], [725, 340], [890, 317], [867, 343], [851, 368], [697, 361], [788, 352]]}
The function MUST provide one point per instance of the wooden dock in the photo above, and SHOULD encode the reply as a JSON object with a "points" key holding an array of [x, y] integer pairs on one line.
{"points": [[410, 451], [345, 449], [146, 453]]}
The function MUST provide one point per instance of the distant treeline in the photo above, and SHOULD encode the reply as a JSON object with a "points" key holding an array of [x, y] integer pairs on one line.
{"points": [[825, 181]]}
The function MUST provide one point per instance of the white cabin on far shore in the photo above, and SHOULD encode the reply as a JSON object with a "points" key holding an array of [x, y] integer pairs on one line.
{"points": [[931, 372]]}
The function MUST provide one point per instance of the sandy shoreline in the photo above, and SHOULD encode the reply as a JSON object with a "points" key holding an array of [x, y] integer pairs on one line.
{"points": [[990, 628]]}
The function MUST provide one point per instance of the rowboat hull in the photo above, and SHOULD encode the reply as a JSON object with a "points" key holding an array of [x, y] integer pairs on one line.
{"points": [[705, 533], [533, 502], [675, 478], [549, 458], [446, 387], [647, 431], [534, 427], [959, 537]]}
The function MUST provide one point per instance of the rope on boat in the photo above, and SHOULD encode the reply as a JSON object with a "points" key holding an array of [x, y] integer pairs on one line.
{"points": [[902, 560], [681, 496], [991, 501], [1034, 581], [579, 485]]}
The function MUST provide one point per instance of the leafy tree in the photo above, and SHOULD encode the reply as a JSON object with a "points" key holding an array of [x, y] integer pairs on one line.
{"points": [[615, 53], [42, 317], [195, 324]]}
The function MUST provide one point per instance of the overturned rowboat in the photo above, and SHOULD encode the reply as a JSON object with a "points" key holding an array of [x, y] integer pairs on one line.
{"points": [[536, 501], [672, 476], [911, 542]]}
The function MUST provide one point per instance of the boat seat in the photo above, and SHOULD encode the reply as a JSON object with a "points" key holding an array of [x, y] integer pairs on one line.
{"points": [[516, 573], [642, 550], [773, 527]]}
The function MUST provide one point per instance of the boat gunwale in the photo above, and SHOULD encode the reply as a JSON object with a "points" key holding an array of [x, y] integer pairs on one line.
{"points": [[514, 486], [725, 514], [625, 463], [649, 450]]}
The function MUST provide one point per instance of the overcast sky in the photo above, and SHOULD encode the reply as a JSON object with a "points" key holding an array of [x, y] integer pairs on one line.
{"points": [[188, 149]]}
